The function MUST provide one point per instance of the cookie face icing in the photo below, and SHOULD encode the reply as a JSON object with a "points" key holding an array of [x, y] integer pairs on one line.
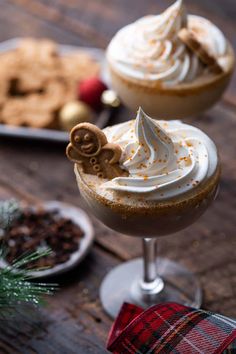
{"points": [[163, 159], [149, 49], [87, 141]]}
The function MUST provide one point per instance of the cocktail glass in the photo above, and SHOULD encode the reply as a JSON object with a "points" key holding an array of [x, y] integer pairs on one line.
{"points": [[149, 280]]}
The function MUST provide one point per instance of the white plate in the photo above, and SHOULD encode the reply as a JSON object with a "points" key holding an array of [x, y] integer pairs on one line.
{"points": [[80, 218], [51, 134]]}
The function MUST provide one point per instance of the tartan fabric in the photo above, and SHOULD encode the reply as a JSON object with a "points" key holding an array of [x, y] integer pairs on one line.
{"points": [[171, 328], [231, 349]]}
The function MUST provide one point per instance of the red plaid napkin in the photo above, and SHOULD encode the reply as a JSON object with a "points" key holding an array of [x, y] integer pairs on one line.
{"points": [[171, 328]]}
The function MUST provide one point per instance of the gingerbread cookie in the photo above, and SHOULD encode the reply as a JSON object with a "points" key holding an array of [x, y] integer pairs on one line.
{"points": [[4, 88], [91, 151], [36, 81], [36, 110], [19, 112], [189, 38], [80, 63], [42, 51]]}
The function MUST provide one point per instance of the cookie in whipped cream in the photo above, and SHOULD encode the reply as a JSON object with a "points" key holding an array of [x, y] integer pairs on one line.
{"points": [[193, 43], [172, 176], [150, 66]]}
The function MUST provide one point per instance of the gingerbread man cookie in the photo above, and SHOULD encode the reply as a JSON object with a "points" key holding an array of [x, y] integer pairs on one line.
{"points": [[90, 149], [189, 38], [37, 110]]}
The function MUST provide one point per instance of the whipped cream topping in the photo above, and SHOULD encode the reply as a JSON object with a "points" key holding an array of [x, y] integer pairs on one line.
{"points": [[149, 49], [164, 159]]}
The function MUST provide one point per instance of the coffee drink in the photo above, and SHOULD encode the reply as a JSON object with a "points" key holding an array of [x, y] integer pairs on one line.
{"points": [[172, 174], [152, 65]]}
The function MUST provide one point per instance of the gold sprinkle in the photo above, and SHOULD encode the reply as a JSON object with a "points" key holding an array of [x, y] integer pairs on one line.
{"points": [[152, 41]]}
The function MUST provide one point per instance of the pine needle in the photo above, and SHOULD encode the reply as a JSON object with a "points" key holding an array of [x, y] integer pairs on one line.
{"points": [[15, 285]]}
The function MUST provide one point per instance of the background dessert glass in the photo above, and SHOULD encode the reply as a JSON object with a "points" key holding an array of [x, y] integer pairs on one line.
{"points": [[146, 282], [151, 67]]}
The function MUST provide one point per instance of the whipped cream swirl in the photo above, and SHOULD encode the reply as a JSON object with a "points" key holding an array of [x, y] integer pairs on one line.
{"points": [[149, 49], [164, 159]]}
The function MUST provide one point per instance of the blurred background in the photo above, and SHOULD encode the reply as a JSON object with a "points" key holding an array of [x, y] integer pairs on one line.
{"points": [[36, 170], [95, 22]]}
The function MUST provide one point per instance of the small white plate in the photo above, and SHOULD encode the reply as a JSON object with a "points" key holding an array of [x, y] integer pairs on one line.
{"points": [[80, 218]]}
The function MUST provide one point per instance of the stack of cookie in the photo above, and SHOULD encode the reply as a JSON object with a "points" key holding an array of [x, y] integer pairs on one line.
{"points": [[36, 82]]}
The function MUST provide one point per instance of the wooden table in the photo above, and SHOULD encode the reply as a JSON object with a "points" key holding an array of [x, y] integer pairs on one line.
{"points": [[74, 321]]}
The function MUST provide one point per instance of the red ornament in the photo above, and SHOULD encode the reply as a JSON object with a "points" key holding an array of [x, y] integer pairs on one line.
{"points": [[90, 91]]}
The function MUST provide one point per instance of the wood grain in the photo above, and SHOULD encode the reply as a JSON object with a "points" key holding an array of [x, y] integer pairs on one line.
{"points": [[74, 321]]}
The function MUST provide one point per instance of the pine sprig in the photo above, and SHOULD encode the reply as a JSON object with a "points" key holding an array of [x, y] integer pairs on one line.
{"points": [[15, 286]]}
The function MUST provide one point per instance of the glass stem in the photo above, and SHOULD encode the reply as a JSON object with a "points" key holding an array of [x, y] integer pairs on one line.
{"points": [[151, 283], [149, 258]]}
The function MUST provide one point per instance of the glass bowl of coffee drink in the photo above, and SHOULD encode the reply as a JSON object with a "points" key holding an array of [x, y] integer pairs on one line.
{"points": [[174, 65], [146, 178]]}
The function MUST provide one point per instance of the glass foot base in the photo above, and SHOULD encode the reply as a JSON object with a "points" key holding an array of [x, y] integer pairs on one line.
{"points": [[123, 284]]}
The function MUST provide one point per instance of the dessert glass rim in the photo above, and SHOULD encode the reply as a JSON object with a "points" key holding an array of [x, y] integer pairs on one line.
{"points": [[152, 207]]}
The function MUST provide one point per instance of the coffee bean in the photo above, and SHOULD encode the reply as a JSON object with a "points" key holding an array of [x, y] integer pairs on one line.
{"points": [[37, 229]]}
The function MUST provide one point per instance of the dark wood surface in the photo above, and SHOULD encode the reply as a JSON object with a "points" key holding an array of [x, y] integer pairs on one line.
{"points": [[74, 321]]}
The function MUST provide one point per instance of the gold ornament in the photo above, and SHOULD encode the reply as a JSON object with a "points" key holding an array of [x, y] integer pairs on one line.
{"points": [[110, 98], [73, 113]]}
